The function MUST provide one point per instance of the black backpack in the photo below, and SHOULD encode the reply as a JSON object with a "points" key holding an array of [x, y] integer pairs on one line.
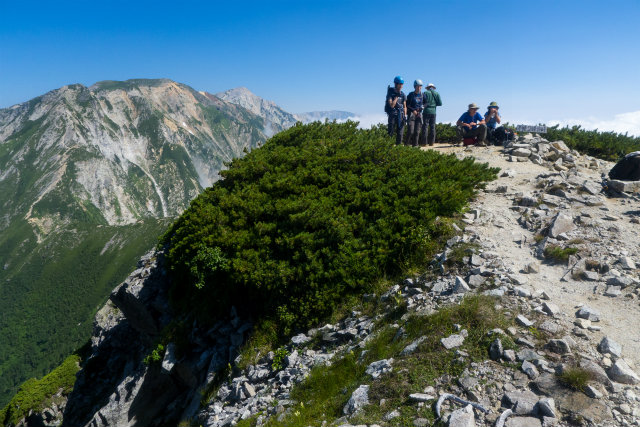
{"points": [[387, 107], [627, 169]]}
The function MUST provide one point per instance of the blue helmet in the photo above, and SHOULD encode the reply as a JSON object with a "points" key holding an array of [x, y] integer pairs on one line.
{"points": [[398, 80]]}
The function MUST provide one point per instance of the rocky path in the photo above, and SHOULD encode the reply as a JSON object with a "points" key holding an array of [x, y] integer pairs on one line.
{"points": [[526, 198]]}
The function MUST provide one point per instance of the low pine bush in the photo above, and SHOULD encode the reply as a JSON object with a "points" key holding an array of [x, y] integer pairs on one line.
{"points": [[320, 212], [605, 145]]}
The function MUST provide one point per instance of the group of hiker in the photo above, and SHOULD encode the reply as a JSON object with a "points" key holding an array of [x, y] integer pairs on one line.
{"points": [[418, 111]]}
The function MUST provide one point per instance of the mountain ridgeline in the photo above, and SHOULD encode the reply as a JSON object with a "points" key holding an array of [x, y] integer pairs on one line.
{"points": [[89, 178]]}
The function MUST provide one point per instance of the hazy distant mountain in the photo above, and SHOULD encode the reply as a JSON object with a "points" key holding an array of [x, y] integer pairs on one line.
{"points": [[275, 118], [323, 115], [87, 176]]}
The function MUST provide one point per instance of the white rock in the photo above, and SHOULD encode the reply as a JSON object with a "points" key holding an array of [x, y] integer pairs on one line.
{"points": [[452, 341], [460, 286], [561, 224], [523, 321], [359, 398], [462, 417]]}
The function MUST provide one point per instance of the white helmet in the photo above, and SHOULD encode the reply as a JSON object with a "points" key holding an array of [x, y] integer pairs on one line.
{"points": [[417, 83]]}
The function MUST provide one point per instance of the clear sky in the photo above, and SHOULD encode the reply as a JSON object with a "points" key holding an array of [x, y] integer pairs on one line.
{"points": [[572, 61]]}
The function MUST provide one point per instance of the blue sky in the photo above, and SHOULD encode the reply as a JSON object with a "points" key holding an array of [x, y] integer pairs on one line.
{"points": [[543, 61]]}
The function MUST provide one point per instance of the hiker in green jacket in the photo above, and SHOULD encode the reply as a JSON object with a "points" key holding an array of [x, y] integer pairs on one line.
{"points": [[431, 101]]}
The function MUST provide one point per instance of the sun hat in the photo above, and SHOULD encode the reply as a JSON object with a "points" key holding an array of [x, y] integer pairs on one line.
{"points": [[431, 85], [473, 105], [493, 104]]}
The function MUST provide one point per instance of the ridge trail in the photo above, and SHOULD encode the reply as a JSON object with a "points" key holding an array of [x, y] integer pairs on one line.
{"points": [[608, 232]]}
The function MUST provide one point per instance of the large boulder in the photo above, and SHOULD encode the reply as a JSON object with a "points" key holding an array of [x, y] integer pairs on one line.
{"points": [[627, 169]]}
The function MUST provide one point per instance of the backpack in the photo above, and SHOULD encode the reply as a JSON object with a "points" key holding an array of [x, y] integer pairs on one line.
{"points": [[387, 107], [501, 136], [627, 169]]}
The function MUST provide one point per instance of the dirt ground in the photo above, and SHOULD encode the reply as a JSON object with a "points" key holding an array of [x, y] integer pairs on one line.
{"points": [[500, 232]]}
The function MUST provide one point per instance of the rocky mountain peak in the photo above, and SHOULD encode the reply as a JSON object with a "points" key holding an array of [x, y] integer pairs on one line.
{"points": [[276, 119]]}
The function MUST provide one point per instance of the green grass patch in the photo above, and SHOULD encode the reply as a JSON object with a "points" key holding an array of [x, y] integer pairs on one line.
{"points": [[558, 253], [576, 378], [323, 394], [36, 394]]}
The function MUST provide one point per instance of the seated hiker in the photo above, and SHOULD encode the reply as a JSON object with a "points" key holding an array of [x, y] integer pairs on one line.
{"points": [[492, 119], [471, 124], [414, 110], [396, 108], [496, 133], [627, 169]]}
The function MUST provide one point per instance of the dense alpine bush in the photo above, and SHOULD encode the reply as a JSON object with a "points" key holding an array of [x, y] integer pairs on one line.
{"points": [[319, 212], [605, 145]]}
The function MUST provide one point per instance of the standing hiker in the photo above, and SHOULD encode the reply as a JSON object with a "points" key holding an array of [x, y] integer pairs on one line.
{"points": [[414, 108], [431, 101], [396, 108]]}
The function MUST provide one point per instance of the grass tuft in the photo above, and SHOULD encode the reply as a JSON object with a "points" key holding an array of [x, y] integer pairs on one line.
{"points": [[576, 378], [559, 254]]}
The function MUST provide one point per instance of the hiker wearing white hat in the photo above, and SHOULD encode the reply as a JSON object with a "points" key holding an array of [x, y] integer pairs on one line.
{"points": [[431, 101], [471, 124]]}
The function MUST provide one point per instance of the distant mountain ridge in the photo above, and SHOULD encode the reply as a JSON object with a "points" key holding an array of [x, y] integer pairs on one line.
{"points": [[324, 115], [276, 119]]}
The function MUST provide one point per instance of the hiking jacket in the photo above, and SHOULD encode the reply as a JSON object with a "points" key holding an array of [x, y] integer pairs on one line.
{"points": [[414, 102], [431, 101]]}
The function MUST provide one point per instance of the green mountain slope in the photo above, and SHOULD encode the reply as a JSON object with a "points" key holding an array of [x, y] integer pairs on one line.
{"points": [[89, 178]]}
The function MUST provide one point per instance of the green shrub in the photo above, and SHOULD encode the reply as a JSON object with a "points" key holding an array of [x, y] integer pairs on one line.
{"points": [[320, 212], [35, 394], [559, 254], [156, 355], [605, 145], [576, 378]]}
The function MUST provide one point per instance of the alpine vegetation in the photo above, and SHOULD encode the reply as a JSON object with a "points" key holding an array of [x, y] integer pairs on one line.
{"points": [[320, 212]]}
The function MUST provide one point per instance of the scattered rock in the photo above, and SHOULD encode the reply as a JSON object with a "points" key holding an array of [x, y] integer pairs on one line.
{"points": [[452, 341], [523, 321], [379, 367], [463, 417], [558, 346], [460, 286], [609, 346], [495, 350], [530, 369], [588, 313], [550, 309], [622, 373], [359, 398], [561, 224]]}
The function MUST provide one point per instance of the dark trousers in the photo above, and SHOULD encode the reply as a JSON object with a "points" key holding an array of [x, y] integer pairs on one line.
{"points": [[396, 122], [480, 131], [429, 124], [414, 123]]}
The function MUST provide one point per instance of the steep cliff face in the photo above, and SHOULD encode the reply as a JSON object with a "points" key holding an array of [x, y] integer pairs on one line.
{"points": [[121, 384]]}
